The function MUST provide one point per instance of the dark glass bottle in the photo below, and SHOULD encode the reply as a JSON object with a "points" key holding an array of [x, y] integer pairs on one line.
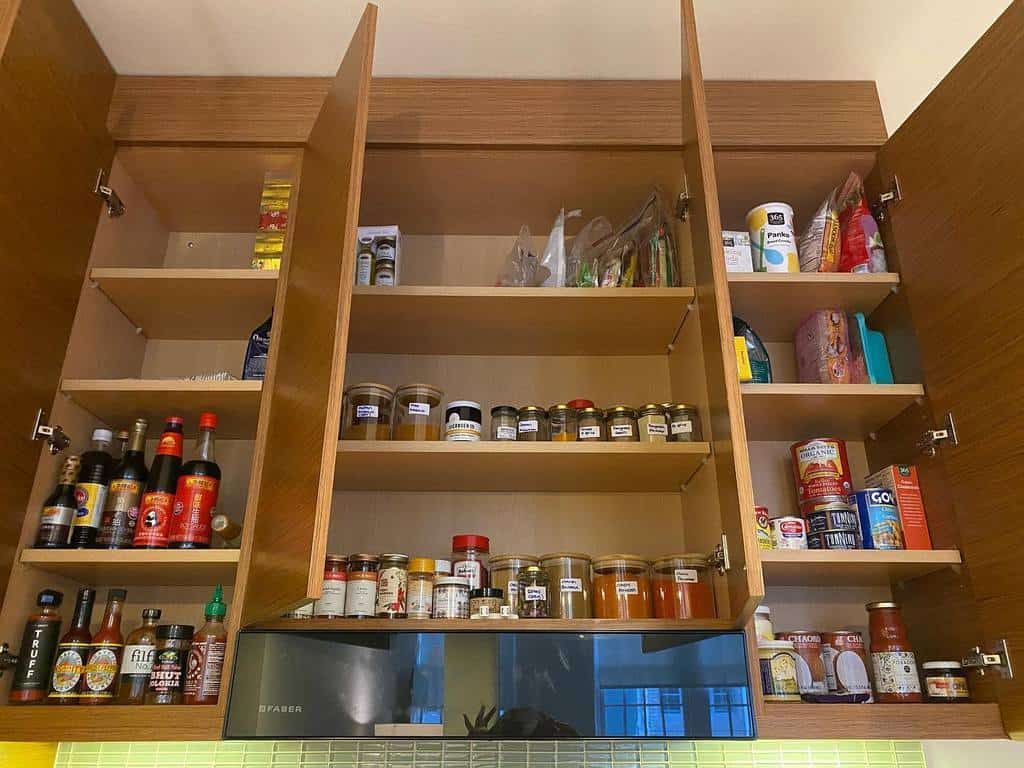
{"points": [[69, 665], [37, 649], [99, 683], [59, 509], [137, 659], [123, 436], [195, 501], [91, 489], [127, 483], [154, 521]]}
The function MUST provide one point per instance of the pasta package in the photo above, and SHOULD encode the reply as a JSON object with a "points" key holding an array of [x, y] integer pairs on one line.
{"points": [[823, 348], [820, 245]]}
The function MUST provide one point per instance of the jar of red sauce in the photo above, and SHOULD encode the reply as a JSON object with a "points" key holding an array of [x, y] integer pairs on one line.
{"points": [[682, 588], [622, 587], [896, 678]]}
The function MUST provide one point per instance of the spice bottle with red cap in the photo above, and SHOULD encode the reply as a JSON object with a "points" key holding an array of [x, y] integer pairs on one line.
{"points": [[195, 500], [469, 559]]}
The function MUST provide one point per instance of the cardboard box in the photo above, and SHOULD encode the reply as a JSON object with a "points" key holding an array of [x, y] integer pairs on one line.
{"points": [[379, 233], [737, 251], [901, 479]]}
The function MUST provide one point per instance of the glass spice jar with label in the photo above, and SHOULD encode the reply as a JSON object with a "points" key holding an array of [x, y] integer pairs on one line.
{"points": [[563, 423], [367, 412], [504, 422], [505, 570], [469, 558], [392, 585], [622, 587], [896, 678], [533, 424], [485, 601], [418, 413], [331, 604], [683, 423], [569, 584], [682, 588], [590, 425], [622, 424], [420, 595], [361, 586], [946, 682], [652, 424], [533, 593]]}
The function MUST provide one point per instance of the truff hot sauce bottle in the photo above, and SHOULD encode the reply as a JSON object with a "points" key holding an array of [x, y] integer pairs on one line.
{"points": [[38, 647], [206, 657], [99, 681]]}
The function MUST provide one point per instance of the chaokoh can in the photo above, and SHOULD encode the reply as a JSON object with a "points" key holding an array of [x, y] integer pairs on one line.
{"points": [[821, 468], [846, 666], [879, 518]]}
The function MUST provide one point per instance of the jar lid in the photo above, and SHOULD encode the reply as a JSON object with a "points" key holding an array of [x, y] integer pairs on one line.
{"points": [[370, 388], [335, 559], [175, 632], [487, 592], [366, 239], [620, 410], [580, 403], [504, 410], [432, 393], [621, 561], [764, 610], [559, 408], [883, 604], [467, 540], [591, 411], [362, 557], [682, 407], [650, 408], [395, 557], [941, 665], [421, 565], [506, 559], [530, 409], [776, 645], [464, 404], [452, 581], [560, 556], [442, 566], [533, 570], [689, 559]]}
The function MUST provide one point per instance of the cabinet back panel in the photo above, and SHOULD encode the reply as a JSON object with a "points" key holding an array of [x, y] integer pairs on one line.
{"points": [[211, 250], [173, 358]]}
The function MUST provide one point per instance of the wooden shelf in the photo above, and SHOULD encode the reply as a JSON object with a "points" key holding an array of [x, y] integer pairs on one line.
{"points": [[170, 567], [117, 402], [494, 625], [801, 411], [855, 567], [881, 721], [113, 722], [433, 320], [190, 303], [774, 304], [511, 466]]}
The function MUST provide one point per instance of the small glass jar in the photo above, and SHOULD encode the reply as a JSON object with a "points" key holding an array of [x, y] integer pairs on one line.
{"points": [[622, 588], [622, 424], [945, 682], [170, 664], [569, 579], [485, 602], [442, 567], [590, 425], [451, 598], [504, 422], [469, 558], [533, 424], [392, 586], [331, 604], [652, 424], [564, 423], [533, 593], [682, 588], [462, 421], [505, 571], [777, 660], [684, 424], [420, 596], [367, 412], [418, 413], [361, 590]]}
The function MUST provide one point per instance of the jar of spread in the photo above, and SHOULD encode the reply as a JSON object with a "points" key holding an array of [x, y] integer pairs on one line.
{"points": [[590, 425], [896, 680], [533, 424], [462, 421], [367, 412], [946, 682], [504, 422], [451, 598], [485, 601], [777, 662], [683, 423], [418, 414], [420, 596], [563, 421], [622, 587], [622, 424], [569, 585], [361, 587], [505, 571], [392, 586], [682, 588], [331, 604], [469, 558], [533, 594], [653, 424], [167, 675]]}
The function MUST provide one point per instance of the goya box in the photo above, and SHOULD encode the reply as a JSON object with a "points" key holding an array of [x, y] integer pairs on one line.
{"points": [[879, 519], [901, 479]]}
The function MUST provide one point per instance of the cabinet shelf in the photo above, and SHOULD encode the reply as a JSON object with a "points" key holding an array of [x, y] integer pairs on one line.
{"points": [[494, 625], [113, 723], [512, 466], [190, 303], [774, 304], [881, 721], [855, 567], [453, 320], [800, 411], [170, 567], [118, 402]]}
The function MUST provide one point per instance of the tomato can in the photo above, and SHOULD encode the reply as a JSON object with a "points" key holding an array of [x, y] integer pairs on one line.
{"points": [[879, 518], [810, 668], [833, 540], [821, 468], [846, 665], [788, 533], [830, 515], [763, 528]]}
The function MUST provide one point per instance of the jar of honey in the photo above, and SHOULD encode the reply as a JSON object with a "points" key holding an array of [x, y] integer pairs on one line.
{"points": [[682, 588], [418, 412], [622, 588], [563, 423], [367, 412]]}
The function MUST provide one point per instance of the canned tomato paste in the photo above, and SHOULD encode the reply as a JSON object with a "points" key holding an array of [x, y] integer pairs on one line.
{"points": [[821, 468]]}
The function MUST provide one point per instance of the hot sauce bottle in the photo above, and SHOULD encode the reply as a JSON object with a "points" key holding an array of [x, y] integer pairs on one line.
{"points": [[896, 680], [137, 659], [120, 513], [35, 654], [59, 508], [104, 660], [206, 657], [71, 652], [195, 501], [158, 501]]}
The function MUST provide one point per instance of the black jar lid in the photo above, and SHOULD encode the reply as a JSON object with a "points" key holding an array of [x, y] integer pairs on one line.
{"points": [[487, 592], [175, 632]]}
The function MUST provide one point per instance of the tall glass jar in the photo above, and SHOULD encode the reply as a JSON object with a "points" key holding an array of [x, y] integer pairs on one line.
{"points": [[682, 588], [367, 412], [533, 424], [392, 586], [361, 589], [896, 678], [684, 424], [533, 595], [418, 412], [590, 425], [420, 596], [652, 424], [563, 421], [622, 587], [469, 558], [622, 424], [331, 604], [505, 571], [504, 422], [569, 585]]}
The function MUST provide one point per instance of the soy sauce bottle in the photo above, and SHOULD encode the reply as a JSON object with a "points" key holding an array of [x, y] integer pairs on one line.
{"points": [[59, 509], [154, 521], [195, 501], [121, 512], [91, 489]]}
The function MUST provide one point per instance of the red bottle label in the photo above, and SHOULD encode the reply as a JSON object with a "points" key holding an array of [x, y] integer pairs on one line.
{"points": [[154, 521], [170, 444], [195, 504]]}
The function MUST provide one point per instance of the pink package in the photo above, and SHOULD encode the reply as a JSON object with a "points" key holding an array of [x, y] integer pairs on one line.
{"points": [[823, 348]]}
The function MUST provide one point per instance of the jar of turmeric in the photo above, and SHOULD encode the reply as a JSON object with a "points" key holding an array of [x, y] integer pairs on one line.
{"points": [[562, 420], [682, 587], [367, 412], [418, 412], [622, 588]]}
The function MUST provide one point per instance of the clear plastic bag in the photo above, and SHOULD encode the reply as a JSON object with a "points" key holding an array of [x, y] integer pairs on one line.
{"points": [[554, 252], [581, 267], [521, 268], [643, 253]]}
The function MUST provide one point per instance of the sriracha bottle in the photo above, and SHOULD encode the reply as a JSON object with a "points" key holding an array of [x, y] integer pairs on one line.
{"points": [[154, 521], [195, 502]]}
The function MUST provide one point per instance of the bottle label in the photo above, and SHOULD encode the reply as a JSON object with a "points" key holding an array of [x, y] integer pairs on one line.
{"points": [[895, 672], [682, 427], [570, 585], [138, 660], [121, 511], [419, 409], [332, 600], [527, 425], [421, 598], [512, 589], [154, 519], [469, 569], [535, 593], [360, 597], [205, 663], [657, 429], [90, 498], [505, 432], [627, 588], [167, 675], [101, 670], [366, 412], [35, 654], [195, 504], [589, 433], [391, 586], [68, 668], [947, 687], [622, 430], [686, 576], [57, 516], [364, 268], [170, 444]]}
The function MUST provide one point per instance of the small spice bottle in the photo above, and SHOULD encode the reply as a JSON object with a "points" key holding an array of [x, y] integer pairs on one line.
{"points": [[563, 421], [367, 412], [451, 598], [590, 425], [533, 424], [392, 586], [167, 676], [653, 424], [331, 604], [533, 593], [469, 558], [485, 601], [946, 682], [442, 567], [420, 596], [504, 422], [683, 424], [361, 588], [622, 424]]}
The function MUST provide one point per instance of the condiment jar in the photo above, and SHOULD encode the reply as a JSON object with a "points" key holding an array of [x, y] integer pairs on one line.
{"points": [[569, 584], [462, 421], [367, 412], [777, 661], [451, 598], [946, 682], [563, 422], [392, 586], [505, 571], [684, 424], [682, 588], [420, 595], [622, 424], [896, 679], [622, 587], [469, 558], [533, 424], [331, 604], [485, 601], [653, 424], [763, 623], [418, 413], [590, 425], [167, 676], [504, 422], [361, 590], [533, 593]]}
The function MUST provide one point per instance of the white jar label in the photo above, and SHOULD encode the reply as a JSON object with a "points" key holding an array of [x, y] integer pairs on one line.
{"points": [[360, 597], [627, 588], [895, 672], [535, 593], [469, 569], [686, 576], [419, 409], [682, 427], [570, 585], [462, 431], [512, 588], [505, 432], [657, 429], [529, 425], [367, 411], [420, 598], [622, 430], [332, 599], [589, 433], [138, 659]]}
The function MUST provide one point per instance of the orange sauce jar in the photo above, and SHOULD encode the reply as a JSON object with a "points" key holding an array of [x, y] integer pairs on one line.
{"points": [[682, 588], [622, 587]]}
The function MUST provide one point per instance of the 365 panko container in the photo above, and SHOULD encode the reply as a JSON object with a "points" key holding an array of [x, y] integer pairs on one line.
{"points": [[772, 239]]}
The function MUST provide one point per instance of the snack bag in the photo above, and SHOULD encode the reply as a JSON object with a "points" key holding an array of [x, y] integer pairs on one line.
{"points": [[862, 249], [521, 269], [819, 245]]}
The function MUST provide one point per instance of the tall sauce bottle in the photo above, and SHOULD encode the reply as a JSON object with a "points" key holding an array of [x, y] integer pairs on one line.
{"points": [[38, 646], [59, 508], [206, 657], [896, 680], [137, 659], [91, 489], [99, 680], [72, 650], [127, 483], [195, 500], [154, 521]]}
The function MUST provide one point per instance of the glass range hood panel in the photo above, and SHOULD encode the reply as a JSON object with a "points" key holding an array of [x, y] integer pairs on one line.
{"points": [[509, 685]]}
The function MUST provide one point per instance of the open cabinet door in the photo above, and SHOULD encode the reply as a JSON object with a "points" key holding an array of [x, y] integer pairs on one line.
{"points": [[289, 506], [728, 433], [957, 237], [55, 89]]}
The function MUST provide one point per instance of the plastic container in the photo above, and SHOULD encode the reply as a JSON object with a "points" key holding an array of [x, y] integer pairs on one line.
{"points": [[569, 584], [590, 425], [684, 423], [533, 593], [622, 588], [621, 424], [871, 347], [563, 421], [533, 425], [367, 412], [505, 571], [504, 422], [469, 558], [418, 412], [772, 239], [682, 588], [420, 595]]}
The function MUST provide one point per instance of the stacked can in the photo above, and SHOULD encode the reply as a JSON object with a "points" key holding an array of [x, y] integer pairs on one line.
{"points": [[822, 474]]}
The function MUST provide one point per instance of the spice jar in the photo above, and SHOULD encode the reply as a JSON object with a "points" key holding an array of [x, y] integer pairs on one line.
{"points": [[622, 588], [533, 424], [563, 423], [420, 595], [533, 594], [469, 558], [505, 571], [777, 661], [442, 567], [462, 421], [167, 676], [331, 604], [590, 425], [504, 422], [895, 666], [569, 580], [451, 598], [361, 591], [622, 424], [682, 588], [392, 585], [367, 412], [653, 424], [485, 601], [946, 682], [683, 424], [418, 413]]}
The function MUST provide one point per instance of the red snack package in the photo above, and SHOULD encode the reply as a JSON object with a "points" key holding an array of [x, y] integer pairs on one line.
{"points": [[862, 249]]}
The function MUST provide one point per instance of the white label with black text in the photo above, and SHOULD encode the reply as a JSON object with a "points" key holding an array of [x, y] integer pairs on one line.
{"points": [[535, 593], [529, 425], [686, 575], [627, 588], [589, 433], [657, 429], [570, 585], [419, 409], [622, 430], [367, 412], [682, 427]]}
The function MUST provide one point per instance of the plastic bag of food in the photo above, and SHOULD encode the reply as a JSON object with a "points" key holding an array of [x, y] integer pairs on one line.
{"points": [[581, 268], [862, 249], [822, 344], [819, 245], [642, 252], [554, 252], [521, 268]]}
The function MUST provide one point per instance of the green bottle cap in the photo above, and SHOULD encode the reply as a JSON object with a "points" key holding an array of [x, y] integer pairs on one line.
{"points": [[216, 608]]}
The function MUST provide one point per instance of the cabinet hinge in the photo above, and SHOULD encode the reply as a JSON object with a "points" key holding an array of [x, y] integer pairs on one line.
{"points": [[683, 202], [719, 557], [893, 196], [54, 436], [115, 207], [995, 660], [929, 442]]}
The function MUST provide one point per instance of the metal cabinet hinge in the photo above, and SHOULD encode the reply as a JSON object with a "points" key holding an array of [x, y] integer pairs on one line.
{"points": [[54, 436], [683, 202], [893, 196], [115, 207], [929, 442], [719, 557], [995, 660]]}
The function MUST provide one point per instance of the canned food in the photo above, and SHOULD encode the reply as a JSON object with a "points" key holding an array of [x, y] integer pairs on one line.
{"points": [[846, 665], [763, 528], [810, 668], [821, 468], [777, 663], [832, 517], [788, 533], [833, 540], [879, 518]]}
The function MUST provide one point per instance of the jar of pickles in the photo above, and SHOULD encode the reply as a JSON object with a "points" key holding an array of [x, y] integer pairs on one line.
{"points": [[505, 570], [590, 425], [622, 588], [533, 424], [563, 421], [653, 424], [418, 412], [533, 594], [504, 422], [622, 424], [367, 412], [682, 588], [569, 585], [684, 424]]}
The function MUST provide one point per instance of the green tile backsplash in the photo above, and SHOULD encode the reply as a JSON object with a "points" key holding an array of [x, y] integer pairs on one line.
{"points": [[365, 753]]}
